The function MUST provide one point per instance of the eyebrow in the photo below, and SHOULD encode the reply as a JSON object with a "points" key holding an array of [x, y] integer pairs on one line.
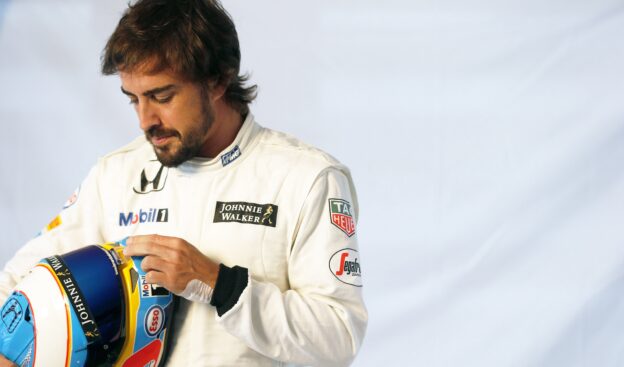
{"points": [[152, 91]]}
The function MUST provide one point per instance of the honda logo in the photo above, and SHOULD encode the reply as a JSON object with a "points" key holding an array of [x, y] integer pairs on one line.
{"points": [[153, 178]]}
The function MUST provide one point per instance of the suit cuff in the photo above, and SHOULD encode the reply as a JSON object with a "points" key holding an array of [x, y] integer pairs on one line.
{"points": [[231, 282]]}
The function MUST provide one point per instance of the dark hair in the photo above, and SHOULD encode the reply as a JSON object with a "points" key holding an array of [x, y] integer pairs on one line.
{"points": [[196, 39]]}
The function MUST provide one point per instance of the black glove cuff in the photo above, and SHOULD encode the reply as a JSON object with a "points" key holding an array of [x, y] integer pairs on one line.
{"points": [[231, 282]]}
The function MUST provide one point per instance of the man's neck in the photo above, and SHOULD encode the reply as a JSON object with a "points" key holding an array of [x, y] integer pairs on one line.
{"points": [[227, 122]]}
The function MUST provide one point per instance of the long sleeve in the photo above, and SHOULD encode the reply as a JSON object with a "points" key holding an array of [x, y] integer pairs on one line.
{"points": [[77, 225], [321, 319]]}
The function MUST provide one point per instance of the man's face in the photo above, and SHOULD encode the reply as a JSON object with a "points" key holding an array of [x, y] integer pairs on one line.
{"points": [[174, 114]]}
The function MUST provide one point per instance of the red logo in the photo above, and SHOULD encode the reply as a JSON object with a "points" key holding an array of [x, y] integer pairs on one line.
{"points": [[341, 214], [148, 356], [345, 266], [72, 199], [154, 320]]}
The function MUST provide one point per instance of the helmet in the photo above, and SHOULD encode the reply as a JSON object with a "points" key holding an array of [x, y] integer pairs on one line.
{"points": [[89, 307]]}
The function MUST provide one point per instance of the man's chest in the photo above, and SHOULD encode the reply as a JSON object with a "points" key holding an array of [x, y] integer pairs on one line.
{"points": [[245, 220]]}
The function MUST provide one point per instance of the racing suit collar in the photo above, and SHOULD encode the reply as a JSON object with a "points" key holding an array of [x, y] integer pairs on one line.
{"points": [[232, 155]]}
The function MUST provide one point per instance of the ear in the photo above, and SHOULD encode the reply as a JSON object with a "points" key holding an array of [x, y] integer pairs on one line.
{"points": [[217, 90]]}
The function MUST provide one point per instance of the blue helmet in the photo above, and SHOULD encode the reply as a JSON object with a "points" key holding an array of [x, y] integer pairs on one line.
{"points": [[88, 307]]}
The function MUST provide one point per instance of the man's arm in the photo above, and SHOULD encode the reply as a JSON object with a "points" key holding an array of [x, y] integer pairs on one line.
{"points": [[322, 319], [77, 225]]}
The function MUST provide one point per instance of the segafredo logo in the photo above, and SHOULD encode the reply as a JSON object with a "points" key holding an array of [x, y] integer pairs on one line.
{"points": [[345, 266], [144, 216], [154, 320]]}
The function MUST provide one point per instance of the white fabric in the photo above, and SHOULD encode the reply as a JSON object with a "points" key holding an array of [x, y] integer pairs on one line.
{"points": [[295, 309], [197, 291]]}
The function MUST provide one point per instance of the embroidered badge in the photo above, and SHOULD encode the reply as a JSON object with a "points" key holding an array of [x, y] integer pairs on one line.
{"points": [[249, 213], [341, 215], [230, 156], [153, 178], [72, 199], [345, 266]]}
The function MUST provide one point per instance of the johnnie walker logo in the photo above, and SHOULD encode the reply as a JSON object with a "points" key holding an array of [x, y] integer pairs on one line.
{"points": [[248, 213]]}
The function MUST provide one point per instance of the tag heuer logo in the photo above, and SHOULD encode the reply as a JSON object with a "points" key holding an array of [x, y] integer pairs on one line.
{"points": [[341, 214], [249, 213]]}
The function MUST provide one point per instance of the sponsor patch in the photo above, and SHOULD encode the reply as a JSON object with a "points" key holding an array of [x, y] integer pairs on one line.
{"points": [[54, 223], [345, 266], [154, 320], [341, 215], [152, 290], [147, 356], [249, 213], [153, 178], [76, 298], [230, 156], [12, 313], [152, 215], [72, 199]]}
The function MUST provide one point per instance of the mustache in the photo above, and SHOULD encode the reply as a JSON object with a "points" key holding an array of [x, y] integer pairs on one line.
{"points": [[160, 132]]}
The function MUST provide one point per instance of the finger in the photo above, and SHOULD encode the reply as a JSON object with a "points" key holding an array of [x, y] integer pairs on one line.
{"points": [[156, 277], [5, 362], [160, 279], [149, 245], [153, 262]]}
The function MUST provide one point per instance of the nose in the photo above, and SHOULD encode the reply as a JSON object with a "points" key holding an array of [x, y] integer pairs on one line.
{"points": [[148, 115]]}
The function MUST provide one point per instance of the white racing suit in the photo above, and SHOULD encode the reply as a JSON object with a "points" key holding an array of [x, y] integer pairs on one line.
{"points": [[278, 215]]}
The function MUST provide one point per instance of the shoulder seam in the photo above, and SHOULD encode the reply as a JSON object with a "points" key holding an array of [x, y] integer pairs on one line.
{"points": [[133, 145]]}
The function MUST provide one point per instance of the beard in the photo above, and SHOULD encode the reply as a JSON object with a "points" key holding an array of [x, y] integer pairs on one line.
{"points": [[183, 147]]}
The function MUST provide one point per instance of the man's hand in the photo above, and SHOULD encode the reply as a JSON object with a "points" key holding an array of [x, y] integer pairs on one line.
{"points": [[5, 362], [171, 262]]}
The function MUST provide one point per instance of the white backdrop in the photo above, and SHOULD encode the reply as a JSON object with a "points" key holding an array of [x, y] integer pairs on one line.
{"points": [[486, 139]]}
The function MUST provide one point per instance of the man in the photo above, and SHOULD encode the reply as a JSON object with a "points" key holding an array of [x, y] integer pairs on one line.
{"points": [[254, 229]]}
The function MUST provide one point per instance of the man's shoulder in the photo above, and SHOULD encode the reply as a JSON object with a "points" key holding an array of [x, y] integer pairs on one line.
{"points": [[282, 144], [135, 153], [137, 146]]}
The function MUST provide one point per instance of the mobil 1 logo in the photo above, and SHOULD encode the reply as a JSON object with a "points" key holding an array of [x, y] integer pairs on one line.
{"points": [[152, 290], [341, 215]]}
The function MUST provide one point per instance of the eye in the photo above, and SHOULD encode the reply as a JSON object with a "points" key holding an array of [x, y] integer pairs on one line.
{"points": [[163, 99], [133, 101]]}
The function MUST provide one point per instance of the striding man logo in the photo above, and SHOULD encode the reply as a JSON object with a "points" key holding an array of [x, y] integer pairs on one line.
{"points": [[64, 273], [267, 214]]}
